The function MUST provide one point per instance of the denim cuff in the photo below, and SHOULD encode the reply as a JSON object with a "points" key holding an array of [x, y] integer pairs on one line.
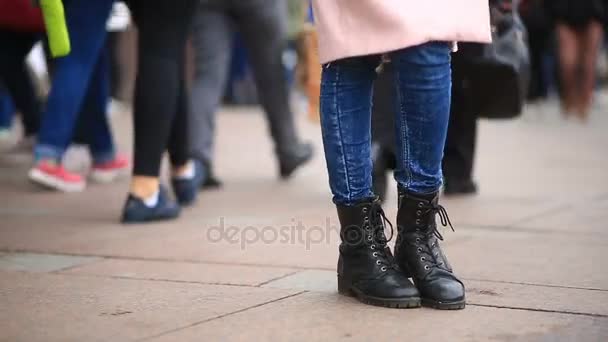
{"points": [[43, 151]]}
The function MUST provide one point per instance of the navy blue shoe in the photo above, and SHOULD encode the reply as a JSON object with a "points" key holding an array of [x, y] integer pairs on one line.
{"points": [[186, 190], [136, 211]]}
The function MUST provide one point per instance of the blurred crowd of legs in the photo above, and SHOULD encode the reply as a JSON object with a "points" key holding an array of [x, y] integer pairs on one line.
{"points": [[169, 114]]}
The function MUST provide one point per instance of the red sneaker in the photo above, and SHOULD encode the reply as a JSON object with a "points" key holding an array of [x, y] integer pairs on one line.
{"points": [[111, 170], [55, 176]]}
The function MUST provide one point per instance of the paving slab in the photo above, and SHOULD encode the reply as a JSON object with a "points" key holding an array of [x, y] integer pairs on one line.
{"points": [[32, 262], [224, 274], [52, 307], [586, 217], [508, 295], [316, 316], [546, 259]]}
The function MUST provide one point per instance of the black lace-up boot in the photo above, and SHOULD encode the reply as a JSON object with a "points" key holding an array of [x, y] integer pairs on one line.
{"points": [[366, 267], [418, 253]]}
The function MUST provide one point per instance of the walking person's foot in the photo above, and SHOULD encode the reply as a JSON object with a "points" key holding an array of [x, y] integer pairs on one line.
{"points": [[52, 175], [111, 170], [210, 180], [459, 187], [187, 183], [297, 156], [157, 207]]}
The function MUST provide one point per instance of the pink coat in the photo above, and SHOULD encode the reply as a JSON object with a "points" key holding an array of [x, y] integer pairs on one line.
{"points": [[350, 28]]}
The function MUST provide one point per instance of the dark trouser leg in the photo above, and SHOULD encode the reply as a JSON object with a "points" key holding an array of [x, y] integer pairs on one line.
{"points": [[459, 152], [15, 76], [163, 30], [212, 39], [179, 147], [264, 28]]}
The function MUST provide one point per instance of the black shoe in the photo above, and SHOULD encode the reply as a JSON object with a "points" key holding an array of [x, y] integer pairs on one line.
{"points": [[366, 267], [298, 156], [418, 253], [211, 181], [455, 187], [136, 211], [186, 190]]}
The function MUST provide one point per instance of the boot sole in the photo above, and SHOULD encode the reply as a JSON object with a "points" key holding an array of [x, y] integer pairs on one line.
{"points": [[393, 303], [429, 303]]}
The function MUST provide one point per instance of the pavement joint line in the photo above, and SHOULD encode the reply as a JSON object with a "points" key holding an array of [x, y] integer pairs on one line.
{"points": [[574, 313], [221, 316], [278, 278], [296, 268], [538, 285], [72, 267], [517, 229], [541, 214], [191, 261], [177, 281]]}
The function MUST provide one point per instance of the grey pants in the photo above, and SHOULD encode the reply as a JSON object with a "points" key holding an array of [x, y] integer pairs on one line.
{"points": [[262, 24]]}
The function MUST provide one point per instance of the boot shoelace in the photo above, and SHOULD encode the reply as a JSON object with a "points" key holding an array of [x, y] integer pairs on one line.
{"points": [[433, 209], [378, 238]]}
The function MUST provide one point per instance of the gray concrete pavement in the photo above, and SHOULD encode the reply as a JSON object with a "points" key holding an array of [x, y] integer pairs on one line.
{"points": [[531, 248]]}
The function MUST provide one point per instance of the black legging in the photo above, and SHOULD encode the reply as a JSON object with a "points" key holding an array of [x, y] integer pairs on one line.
{"points": [[16, 78], [160, 101]]}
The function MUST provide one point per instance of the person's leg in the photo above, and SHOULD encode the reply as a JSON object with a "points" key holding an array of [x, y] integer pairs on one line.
{"points": [[86, 22], [163, 30], [423, 78], [346, 101], [93, 126], [187, 175], [264, 28], [15, 76], [568, 65], [589, 46], [7, 109], [366, 268], [459, 151], [212, 37]]}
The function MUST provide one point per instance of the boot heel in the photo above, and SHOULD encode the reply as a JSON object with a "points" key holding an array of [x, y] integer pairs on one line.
{"points": [[344, 287]]}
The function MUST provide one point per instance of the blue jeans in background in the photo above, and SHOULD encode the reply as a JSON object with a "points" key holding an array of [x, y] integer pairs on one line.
{"points": [[422, 75], [80, 88], [7, 109]]}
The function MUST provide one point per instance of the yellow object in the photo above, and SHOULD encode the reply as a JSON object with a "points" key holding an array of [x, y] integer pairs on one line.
{"points": [[56, 27]]}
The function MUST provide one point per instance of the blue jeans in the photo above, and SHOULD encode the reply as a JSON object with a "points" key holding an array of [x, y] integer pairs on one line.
{"points": [[7, 109], [79, 89], [422, 76]]}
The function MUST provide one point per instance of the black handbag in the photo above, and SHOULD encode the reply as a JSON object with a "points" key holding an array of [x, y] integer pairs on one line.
{"points": [[497, 75]]}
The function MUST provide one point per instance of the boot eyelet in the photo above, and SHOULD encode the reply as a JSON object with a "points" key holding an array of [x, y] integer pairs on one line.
{"points": [[426, 267], [419, 249], [378, 262], [369, 238], [364, 210], [417, 239], [372, 247], [375, 254], [383, 269], [423, 259], [419, 204], [417, 221]]}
